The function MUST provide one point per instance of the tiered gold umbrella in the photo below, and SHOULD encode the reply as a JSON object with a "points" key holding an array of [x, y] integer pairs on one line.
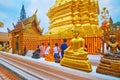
{"points": [[1, 24]]}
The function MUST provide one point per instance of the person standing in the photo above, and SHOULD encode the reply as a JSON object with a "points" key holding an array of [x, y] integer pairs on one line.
{"points": [[63, 47], [47, 51], [48, 54], [42, 52], [56, 53]]}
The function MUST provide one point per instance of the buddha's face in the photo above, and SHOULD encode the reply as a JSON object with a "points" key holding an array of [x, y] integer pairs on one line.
{"points": [[75, 33]]}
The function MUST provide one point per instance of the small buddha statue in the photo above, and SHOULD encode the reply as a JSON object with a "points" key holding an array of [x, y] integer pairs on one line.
{"points": [[75, 55], [77, 47]]}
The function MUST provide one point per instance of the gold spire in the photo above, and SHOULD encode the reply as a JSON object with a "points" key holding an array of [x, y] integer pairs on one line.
{"points": [[66, 14]]}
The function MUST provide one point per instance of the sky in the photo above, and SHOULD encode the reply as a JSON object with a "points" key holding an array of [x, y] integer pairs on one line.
{"points": [[10, 11]]}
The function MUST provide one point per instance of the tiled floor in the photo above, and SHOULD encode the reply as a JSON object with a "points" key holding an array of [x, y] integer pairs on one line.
{"points": [[6, 74]]}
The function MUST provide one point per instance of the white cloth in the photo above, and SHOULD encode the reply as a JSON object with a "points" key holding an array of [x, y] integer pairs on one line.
{"points": [[56, 49], [47, 50], [29, 53]]}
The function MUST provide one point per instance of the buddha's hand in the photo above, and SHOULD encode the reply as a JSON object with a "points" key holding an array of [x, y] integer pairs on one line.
{"points": [[66, 51]]}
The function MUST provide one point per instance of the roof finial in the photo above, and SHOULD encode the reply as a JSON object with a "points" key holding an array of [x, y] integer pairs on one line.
{"points": [[36, 11], [22, 13]]}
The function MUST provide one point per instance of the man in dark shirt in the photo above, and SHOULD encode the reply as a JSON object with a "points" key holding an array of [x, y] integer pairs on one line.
{"points": [[63, 47]]}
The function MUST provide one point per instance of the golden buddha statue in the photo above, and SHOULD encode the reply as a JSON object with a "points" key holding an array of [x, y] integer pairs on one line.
{"points": [[77, 47], [75, 55]]}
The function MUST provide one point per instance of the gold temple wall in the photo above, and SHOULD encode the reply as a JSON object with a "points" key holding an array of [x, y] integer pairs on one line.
{"points": [[92, 43], [31, 39], [30, 44]]}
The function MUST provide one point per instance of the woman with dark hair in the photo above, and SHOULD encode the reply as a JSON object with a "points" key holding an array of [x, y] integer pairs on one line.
{"points": [[36, 54], [42, 48]]}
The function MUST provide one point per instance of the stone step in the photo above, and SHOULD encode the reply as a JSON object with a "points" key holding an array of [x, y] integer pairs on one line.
{"points": [[35, 69]]}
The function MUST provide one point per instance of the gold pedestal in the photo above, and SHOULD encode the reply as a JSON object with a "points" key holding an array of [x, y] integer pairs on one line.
{"points": [[110, 66], [76, 63]]}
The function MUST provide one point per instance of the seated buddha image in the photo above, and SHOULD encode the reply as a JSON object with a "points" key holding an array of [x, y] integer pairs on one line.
{"points": [[75, 55], [77, 48]]}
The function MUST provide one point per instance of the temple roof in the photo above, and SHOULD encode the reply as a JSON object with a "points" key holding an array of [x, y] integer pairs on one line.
{"points": [[4, 36], [1, 24], [28, 21], [22, 13]]}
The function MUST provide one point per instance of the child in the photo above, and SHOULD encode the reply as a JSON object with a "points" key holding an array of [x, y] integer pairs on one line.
{"points": [[56, 53]]}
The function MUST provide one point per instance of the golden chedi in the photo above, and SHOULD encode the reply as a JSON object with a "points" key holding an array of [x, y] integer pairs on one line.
{"points": [[62, 18], [75, 55]]}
